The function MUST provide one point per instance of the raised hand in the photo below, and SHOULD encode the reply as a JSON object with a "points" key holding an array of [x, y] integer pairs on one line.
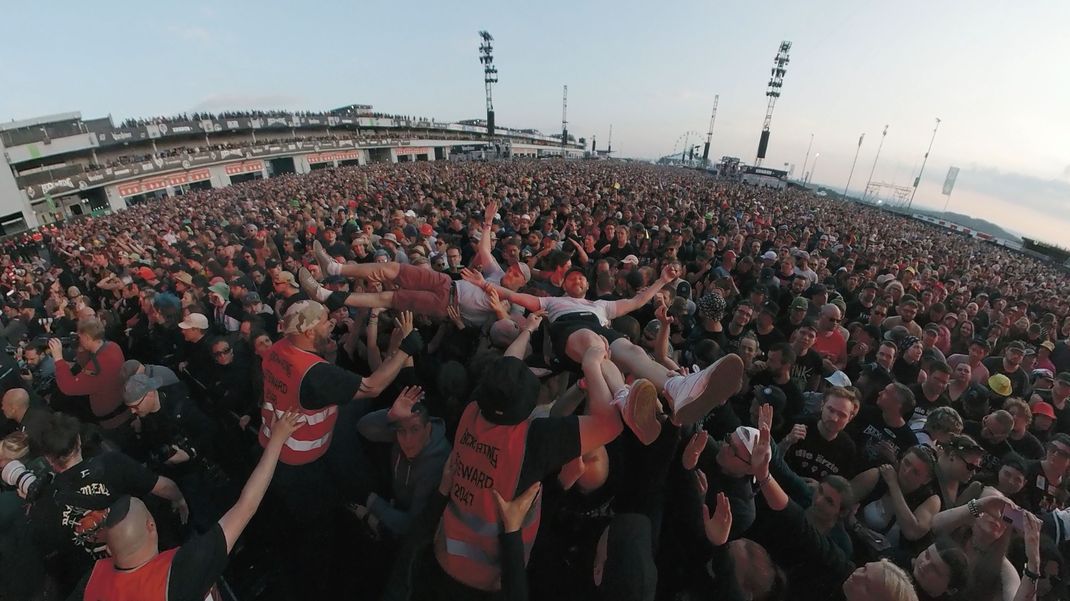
{"points": [[534, 321], [402, 407], [762, 453], [662, 314], [670, 272], [454, 314], [719, 524], [404, 323], [694, 449], [489, 213], [512, 513], [797, 433], [473, 276]]}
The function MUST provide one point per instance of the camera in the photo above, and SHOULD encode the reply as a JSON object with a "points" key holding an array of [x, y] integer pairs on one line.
{"points": [[28, 483], [161, 454]]}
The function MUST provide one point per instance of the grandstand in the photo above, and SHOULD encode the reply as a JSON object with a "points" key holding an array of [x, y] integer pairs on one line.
{"points": [[63, 166]]}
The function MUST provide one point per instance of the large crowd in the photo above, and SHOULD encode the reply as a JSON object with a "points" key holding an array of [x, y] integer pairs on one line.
{"points": [[529, 380]]}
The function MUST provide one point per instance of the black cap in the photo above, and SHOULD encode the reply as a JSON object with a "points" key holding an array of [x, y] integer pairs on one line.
{"points": [[508, 392], [870, 285], [629, 572], [772, 395], [771, 308]]}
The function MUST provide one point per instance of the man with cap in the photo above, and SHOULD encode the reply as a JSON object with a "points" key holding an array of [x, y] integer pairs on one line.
{"points": [[795, 317], [859, 308], [138, 569], [765, 329], [422, 291], [221, 321], [497, 449], [1046, 480], [173, 434], [1060, 402], [320, 462], [195, 354], [287, 291], [881, 431], [1043, 420], [1010, 365], [255, 309]]}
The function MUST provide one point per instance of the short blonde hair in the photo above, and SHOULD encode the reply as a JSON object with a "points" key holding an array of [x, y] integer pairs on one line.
{"points": [[898, 585], [14, 446]]}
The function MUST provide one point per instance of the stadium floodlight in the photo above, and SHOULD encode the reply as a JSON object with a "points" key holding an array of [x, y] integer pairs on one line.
{"points": [[776, 82], [917, 180], [490, 74]]}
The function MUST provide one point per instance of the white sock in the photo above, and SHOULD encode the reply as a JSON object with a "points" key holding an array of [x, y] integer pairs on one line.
{"points": [[321, 294], [334, 268]]}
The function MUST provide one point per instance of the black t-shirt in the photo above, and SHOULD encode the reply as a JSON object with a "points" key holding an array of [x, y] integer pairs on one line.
{"points": [[1062, 419], [1039, 494], [806, 368], [1019, 380], [766, 341], [551, 443], [795, 404], [814, 457], [923, 406], [69, 514], [1028, 446], [326, 384], [869, 430], [994, 452]]}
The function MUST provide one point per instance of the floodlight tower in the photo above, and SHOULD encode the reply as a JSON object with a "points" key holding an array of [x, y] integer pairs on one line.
{"points": [[709, 134], [490, 75], [776, 81], [564, 120], [917, 180]]}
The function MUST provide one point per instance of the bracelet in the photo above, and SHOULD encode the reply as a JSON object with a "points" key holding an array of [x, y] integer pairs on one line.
{"points": [[1029, 573], [975, 509], [765, 481]]}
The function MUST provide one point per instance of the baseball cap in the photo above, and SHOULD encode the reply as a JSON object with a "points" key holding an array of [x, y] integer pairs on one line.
{"points": [[287, 278], [1043, 408], [632, 259], [183, 277], [800, 304], [769, 256], [506, 396], [427, 230], [221, 289], [137, 387], [771, 308], [749, 436], [250, 298], [1048, 344], [773, 396], [838, 378], [129, 368], [1063, 376], [302, 317], [195, 320], [503, 333], [1017, 345]]}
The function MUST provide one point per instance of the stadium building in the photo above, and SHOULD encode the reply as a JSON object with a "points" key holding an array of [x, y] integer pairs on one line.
{"points": [[62, 166]]}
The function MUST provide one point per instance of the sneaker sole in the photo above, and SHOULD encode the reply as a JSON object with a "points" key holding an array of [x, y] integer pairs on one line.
{"points": [[722, 380], [642, 411], [321, 257]]}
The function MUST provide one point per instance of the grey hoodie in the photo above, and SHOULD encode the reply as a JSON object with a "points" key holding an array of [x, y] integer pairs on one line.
{"points": [[413, 481]]}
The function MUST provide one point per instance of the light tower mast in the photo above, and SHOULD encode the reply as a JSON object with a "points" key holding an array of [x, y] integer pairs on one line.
{"points": [[564, 121], [490, 74], [776, 81], [709, 134]]}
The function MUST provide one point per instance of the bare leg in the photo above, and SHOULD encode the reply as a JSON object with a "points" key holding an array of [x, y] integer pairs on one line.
{"points": [[370, 300], [380, 272], [633, 360]]}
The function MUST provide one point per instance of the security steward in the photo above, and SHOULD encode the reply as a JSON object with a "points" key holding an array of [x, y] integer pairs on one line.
{"points": [[138, 571], [322, 466]]}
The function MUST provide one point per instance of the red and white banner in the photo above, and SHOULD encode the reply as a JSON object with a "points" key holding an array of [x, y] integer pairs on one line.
{"points": [[325, 157], [413, 150], [246, 167], [159, 183]]}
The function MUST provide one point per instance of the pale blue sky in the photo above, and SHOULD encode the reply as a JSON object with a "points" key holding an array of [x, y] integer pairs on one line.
{"points": [[993, 71]]}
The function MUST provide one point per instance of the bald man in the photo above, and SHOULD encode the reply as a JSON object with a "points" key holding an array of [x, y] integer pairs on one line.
{"points": [[138, 570], [30, 419]]}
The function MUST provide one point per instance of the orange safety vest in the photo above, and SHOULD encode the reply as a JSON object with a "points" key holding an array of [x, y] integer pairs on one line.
{"points": [[285, 367], [486, 457], [147, 583]]}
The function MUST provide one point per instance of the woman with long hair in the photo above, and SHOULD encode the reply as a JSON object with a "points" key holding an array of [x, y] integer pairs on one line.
{"points": [[961, 337], [900, 501], [957, 462]]}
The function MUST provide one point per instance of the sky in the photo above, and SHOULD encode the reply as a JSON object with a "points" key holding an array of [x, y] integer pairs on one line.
{"points": [[993, 72]]}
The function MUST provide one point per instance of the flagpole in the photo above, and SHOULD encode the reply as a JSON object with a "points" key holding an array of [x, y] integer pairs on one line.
{"points": [[853, 163]]}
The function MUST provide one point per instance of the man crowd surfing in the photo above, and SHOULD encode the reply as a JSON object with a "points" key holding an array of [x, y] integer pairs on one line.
{"points": [[529, 380]]}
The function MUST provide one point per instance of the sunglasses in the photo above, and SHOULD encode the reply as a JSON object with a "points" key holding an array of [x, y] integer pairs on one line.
{"points": [[222, 352]]}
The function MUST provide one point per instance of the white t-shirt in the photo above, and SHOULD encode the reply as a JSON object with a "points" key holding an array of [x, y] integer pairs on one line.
{"points": [[557, 306], [474, 304]]}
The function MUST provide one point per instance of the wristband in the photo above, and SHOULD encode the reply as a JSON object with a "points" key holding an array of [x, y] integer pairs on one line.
{"points": [[1029, 573], [975, 509], [765, 481], [412, 344]]}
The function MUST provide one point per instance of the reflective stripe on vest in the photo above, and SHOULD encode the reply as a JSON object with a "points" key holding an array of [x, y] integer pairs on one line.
{"points": [[487, 457], [285, 367]]}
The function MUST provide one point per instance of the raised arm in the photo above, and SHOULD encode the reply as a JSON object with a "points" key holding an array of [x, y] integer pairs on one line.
{"points": [[913, 524], [519, 347], [623, 307], [484, 256], [411, 343], [529, 302], [603, 423]]}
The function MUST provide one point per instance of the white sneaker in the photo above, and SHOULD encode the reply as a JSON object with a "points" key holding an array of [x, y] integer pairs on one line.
{"points": [[694, 395], [327, 263], [311, 286], [638, 404]]}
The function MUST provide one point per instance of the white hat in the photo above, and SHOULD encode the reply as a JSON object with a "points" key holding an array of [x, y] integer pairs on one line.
{"points": [[390, 237], [838, 378], [769, 256], [410, 213], [631, 259], [195, 320], [749, 436]]}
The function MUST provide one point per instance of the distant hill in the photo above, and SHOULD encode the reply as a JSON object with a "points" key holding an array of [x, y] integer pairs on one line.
{"points": [[973, 223]]}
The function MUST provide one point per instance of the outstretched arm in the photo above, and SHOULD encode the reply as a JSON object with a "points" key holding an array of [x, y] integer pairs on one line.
{"points": [[529, 302], [484, 257], [623, 307]]}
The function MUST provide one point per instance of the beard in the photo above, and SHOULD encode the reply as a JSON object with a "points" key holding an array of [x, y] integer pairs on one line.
{"points": [[322, 344]]}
